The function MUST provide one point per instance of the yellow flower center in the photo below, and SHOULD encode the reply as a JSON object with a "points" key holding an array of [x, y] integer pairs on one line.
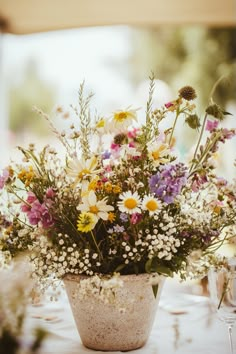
{"points": [[93, 209], [101, 123], [120, 117], [130, 203], [84, 172], [152, 205], [156, 155]]}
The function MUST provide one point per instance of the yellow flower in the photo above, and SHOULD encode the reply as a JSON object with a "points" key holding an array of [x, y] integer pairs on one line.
{"points": [[100, 123], [26, 176], [116, 189], [111, 217], [108, 187], [86, 222]]}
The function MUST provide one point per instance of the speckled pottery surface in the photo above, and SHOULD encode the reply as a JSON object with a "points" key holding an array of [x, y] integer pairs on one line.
{"points": [[122, 324]]}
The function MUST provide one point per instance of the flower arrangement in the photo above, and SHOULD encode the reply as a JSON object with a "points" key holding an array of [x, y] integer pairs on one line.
{"points": [[120, 200]]}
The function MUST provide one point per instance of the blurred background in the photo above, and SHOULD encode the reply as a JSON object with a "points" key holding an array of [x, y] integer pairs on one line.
{"points": [[46, 69]]}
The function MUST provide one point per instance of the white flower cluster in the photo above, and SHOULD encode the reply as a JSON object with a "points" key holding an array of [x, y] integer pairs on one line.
{"points": [[48, 261]]}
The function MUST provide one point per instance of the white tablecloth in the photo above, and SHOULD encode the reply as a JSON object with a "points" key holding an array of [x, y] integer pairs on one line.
{"points": [[184, 324]]}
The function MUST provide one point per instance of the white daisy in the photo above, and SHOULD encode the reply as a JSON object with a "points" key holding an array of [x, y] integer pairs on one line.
{"points": [[158, 152], [130, 203], [82, 169], [122, 119], [97, 207], [152, 204]]}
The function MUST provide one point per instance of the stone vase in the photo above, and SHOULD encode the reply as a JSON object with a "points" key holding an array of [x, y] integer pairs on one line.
{"points": [[121, 324]]}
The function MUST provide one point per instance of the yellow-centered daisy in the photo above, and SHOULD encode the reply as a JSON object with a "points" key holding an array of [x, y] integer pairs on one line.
{"points": [[98, 208], [129, 203], [82, 169], [151, 204], [124, 118], [158, 152]]}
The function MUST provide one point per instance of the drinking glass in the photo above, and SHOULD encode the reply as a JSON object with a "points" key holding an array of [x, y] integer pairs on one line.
{"points": [[222, 289]]}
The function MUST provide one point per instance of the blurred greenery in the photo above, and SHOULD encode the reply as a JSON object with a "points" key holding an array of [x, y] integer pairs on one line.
{"points": [[29, 92], [196, 56]]}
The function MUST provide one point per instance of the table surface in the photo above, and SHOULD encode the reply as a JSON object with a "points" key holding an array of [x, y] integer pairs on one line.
{"points": [[184, 324]]}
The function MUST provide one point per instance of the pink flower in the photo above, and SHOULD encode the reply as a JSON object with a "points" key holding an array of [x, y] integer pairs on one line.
{"points": [[132, 144], [135, 218], [4, 177], [50, 193], [115, 147], [169, 104], [34, 214], [39, 213], [25, 208], [133, 133], [211, 125], [31, 198], [46, 217]]}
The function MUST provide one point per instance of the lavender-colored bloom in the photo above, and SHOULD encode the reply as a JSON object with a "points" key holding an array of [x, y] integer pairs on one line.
{"points": [[168, 183], [118, 228], [124, 217], [106, 155]]}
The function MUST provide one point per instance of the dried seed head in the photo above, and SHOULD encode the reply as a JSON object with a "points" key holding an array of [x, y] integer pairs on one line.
{"points": [[188, 93]]}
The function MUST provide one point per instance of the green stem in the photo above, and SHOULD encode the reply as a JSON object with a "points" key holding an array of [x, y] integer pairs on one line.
{"points": [[172, 132], [199, 140], [95, 242], [204, 155]]}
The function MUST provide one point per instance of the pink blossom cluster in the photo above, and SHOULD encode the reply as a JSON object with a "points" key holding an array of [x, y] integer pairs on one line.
{"points": [[38, 213]]}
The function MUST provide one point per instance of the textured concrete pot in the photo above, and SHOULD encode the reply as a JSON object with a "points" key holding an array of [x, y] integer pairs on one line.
{"points": [[120, 325]]}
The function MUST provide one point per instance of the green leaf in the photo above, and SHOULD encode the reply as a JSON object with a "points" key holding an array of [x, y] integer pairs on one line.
{"points": [[227, 113], [119, 268], [148, 266], [155, 289], [164, 270]]}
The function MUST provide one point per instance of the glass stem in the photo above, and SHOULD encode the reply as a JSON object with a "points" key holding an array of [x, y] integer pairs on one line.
{"points": [[230, 327]]}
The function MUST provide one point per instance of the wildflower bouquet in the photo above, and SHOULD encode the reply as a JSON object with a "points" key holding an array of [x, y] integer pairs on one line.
{"points": [[120, 200]]}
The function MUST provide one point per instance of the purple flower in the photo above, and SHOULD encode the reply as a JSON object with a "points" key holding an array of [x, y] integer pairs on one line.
{"points": [[168, 183], [124, 217], [106, 155], [118, 228], [211, 125]]}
